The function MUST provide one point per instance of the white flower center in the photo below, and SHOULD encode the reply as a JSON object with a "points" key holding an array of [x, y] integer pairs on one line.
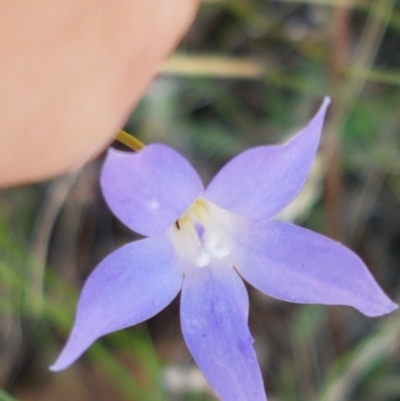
{"points": [[198, 236], [211, 248]]}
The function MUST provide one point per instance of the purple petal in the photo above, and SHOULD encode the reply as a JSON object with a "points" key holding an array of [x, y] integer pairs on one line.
{"points": [[297, 265], [149, 190], [261, 181], [129, 286], [214, 311]]}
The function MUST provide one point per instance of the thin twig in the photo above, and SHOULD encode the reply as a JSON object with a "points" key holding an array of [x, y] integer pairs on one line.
{"points": [[346, 95], [47, 216], [214, 66]]}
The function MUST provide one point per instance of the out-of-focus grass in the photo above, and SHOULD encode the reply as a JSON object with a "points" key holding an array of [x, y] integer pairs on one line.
{"points": [[59, 313], [6, 397], [248, 73]]}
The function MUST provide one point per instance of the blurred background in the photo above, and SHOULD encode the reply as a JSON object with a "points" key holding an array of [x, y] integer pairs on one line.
{"points": [[249, 72]]}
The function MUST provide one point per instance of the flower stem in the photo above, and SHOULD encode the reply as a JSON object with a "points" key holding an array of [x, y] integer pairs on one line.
{"points": [[129, 140]]}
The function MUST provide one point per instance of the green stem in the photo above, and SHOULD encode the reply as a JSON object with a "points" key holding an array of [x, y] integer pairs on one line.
{"points": [[129, 140]]}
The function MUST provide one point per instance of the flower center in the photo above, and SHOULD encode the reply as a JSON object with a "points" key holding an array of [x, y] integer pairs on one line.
{"points": [[197, 235], [212, 247]]}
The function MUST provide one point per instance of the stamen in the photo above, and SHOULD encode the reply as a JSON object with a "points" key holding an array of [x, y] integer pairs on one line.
{"points": [[203, 258], [211, 241], [221, 252], [211, 248]]}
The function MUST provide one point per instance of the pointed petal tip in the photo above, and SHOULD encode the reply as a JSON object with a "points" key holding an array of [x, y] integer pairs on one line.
{"points": [[381, 309], [68, 356], [392, 307], [320, 115], [55, 367], [59, 365], [388, 308], [113, 153], [327, 101], [112, 150]]}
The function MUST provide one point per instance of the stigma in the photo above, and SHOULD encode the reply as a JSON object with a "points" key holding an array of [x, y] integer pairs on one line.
{"points": [[198, 235], [212, 248]]}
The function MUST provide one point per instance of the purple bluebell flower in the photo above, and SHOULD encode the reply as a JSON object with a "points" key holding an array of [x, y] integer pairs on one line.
{"points": [[203, 242]]}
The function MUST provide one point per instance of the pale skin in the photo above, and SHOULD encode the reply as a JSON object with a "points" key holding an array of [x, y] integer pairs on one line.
{"points": [[71, 71]]}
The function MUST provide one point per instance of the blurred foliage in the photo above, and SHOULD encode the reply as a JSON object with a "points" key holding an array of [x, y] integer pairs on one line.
{"points": [[249, 72]]}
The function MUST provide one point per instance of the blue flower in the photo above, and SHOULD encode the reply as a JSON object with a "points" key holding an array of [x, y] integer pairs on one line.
{"points": [[203, 242]]}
